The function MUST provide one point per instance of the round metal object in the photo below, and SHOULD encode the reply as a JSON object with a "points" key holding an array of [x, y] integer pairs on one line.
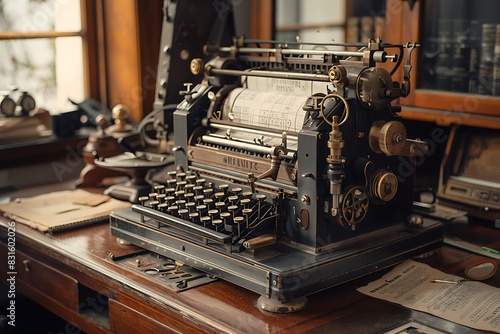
{"points": [[355, 205], [27, 103], [196, 66], [371, 86], [8, 106], [392, 138], [385, 186], [387, 137], [275, 306]]}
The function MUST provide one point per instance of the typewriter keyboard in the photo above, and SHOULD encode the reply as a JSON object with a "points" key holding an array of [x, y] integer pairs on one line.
{"points": [[220, 213]]}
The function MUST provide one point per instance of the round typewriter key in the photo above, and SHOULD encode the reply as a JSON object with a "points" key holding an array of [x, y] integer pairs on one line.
{"points": [[170, 200], [247, 213], [181, 203], [201, 182], [159, 188], [143, 200], [205, 220], [161, 198], [237, 190], [199, 199], [247, 194], [181, 176], [238, 221], [184, 213], [152, 195], [198, 190], [172, 174], [226, 218], [201, 209], [154, 204], [169, 191], [194, 217], [233, 199], [208, 202], [233, 209], [172, 209], [218, 224], [224, 188], [245, 202], [219, 205], [181, 185], [260, 198], [189, 196], [213, 213], [190, 206], [191, 179], [208, 192], [163, 207]]}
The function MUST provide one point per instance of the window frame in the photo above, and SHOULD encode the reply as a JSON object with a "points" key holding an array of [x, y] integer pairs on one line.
{"points": [[87, 24]]}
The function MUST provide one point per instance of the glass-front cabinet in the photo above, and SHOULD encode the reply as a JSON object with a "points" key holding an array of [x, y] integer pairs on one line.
{"points": [[455, 76], [456, 70]]}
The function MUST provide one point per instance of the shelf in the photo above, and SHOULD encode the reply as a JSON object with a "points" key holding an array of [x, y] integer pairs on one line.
{"points": [[448, 117]]}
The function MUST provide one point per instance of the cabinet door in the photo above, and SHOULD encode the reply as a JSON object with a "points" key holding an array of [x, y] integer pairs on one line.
{"points": [[47, 286], [456, 70]]}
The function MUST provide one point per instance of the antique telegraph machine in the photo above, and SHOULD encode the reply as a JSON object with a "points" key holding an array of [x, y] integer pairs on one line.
{"points": [[291, 170]]}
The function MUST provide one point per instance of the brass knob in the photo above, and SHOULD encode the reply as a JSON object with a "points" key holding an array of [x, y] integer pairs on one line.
{"points": [[196, 66], [385, 186]]}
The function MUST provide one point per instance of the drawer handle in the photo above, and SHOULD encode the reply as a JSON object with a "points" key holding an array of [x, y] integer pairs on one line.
{"points": [[26, 265]]}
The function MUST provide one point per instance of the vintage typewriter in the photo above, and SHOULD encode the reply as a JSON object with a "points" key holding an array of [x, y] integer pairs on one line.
{"points": [[291, 171]]}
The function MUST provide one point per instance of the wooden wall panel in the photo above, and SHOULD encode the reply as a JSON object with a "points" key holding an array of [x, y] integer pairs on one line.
{"points": [[129, 38]]}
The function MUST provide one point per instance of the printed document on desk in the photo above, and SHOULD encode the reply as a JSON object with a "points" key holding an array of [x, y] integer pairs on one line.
{"points": [[469, 303]]}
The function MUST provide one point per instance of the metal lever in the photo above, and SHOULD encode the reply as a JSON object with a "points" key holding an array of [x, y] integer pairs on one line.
{"points": [[405, 86], [277, 153]]}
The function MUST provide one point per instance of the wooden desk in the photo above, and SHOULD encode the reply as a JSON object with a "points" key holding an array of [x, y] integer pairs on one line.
{"points": [[71, 275]]}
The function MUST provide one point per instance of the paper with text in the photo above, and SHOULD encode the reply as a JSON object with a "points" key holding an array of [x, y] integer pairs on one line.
{"points": [[469, 303]]}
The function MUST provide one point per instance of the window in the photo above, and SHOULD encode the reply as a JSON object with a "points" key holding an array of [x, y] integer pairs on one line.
{"points": [[329, 21], [41, 50], [316, 21]]}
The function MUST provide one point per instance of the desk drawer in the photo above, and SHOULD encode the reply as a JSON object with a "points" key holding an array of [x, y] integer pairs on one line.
{"points": [[124, 319], [43, 283]]}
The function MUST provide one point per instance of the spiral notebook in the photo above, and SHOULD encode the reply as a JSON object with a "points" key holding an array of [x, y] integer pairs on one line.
{"points": [[61, 210]]}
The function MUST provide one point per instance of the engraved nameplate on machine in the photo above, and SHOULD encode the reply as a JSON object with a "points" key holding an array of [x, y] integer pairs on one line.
{"points": [[289, 173]]}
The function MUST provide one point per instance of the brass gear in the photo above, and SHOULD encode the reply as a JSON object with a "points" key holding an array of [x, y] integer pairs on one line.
{"points": [[388, 138], [392, 138], [354, 206], [385, 186]]}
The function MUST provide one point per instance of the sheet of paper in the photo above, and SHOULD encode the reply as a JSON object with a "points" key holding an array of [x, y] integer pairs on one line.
{"points": [[469, 303]]}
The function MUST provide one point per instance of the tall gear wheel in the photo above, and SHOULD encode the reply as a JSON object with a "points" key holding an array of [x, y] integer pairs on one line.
{"points": [[354, 206]]}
